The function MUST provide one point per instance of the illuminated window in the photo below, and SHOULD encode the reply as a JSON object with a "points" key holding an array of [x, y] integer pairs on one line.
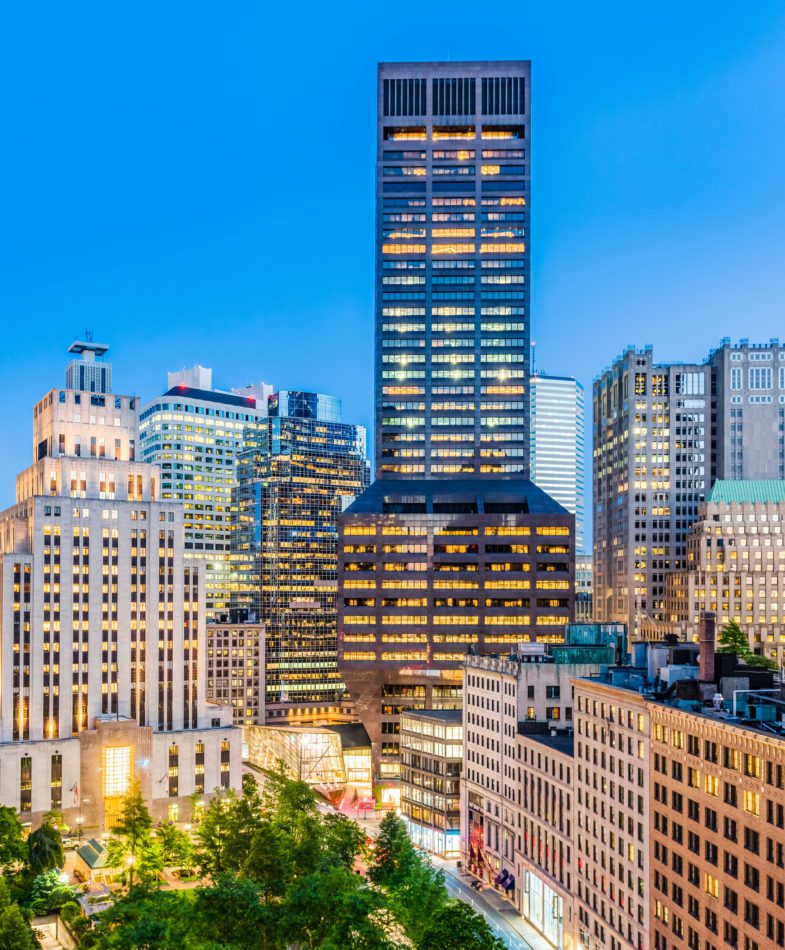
{"points": [[117, 771]]}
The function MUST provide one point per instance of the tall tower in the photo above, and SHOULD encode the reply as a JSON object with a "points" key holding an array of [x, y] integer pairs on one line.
{"points": [[452, 269], [300, 468], [195, 433], [452, 548], [557, 443], [102, 638]]}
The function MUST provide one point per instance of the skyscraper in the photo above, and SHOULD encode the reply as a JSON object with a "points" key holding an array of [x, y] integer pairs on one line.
{"points": [[557, 443], [663, 433], [195, 433], [452, 547], [101, 622], [301, 467]]}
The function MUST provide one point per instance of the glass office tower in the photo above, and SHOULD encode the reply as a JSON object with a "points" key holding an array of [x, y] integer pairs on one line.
{"points": [[301, 467], [558, 443], [452, 548]]}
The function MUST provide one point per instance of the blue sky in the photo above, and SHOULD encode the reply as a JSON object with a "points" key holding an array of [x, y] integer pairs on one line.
{"points": [[194, 182]]}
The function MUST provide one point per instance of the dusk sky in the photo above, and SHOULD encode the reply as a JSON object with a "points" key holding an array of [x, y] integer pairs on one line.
{"points": [[195, 183]]}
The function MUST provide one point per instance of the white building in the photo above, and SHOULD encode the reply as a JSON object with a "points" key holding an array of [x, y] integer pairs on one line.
{"points": [[194, 433], [102, 638], [558, 445]]}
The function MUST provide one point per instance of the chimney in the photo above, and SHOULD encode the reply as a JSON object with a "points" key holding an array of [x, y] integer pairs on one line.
{"points": [[706, 638]]}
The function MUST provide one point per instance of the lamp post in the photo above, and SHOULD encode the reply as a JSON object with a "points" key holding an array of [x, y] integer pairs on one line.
{"points": [[79, 823]]}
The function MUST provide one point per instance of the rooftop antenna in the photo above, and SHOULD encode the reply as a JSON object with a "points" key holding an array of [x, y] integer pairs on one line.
{"points": [[88, 335]]}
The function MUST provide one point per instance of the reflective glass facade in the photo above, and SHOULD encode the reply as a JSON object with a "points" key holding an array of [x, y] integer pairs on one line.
{"points": [[300, 468], [557, 443]]}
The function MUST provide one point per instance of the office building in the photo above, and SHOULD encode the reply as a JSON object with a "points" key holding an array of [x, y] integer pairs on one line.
{"points": [[102, 623], [235, 669], [611, 857], [300, 468], [583, 588], [194, 433], [425, 548], [516, 795], [663, 433], [558, 452], [431, 757], [452, 269], [735, 566]]}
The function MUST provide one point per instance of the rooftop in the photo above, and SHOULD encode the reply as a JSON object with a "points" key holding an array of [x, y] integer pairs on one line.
{"points": [[426, 495], [749, 491], [448, 716], [211, 395], [560, 742]]}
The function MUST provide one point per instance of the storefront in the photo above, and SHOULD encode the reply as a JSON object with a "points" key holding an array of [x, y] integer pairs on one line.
{"points": [[543, 908]]}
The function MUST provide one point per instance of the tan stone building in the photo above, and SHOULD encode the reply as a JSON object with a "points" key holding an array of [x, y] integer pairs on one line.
{"points": [[611, 814], [735, 566], [717, 838], [235, 669]]}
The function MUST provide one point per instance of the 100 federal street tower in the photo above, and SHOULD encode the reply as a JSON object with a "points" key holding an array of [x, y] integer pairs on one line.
{"points": [[451, 548]]}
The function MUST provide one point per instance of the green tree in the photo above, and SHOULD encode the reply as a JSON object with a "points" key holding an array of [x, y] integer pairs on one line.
{"points": [[270, 864], [393, 855], [133, 849], [418, 898], [212, 836], [333, 909], [342, 838], [733, 639], [177, 849], [231, 907], [50, 892], [15, 934], [760, 662], [244, 818], [13, 850], [147, 919], [45, 849], [457, 927]]}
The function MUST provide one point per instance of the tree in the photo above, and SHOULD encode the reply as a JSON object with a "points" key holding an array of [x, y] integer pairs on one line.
{"points": [[457, 927], [270, 863], [177, 849], [342, 838], [13, 850], [418, 898], [147, 919], [734, 640], [760, 662], [50, 892], [133, 849], [393, 855], [334, 909], [14, 931], [45, 849], [231, 907], [212, 836], [244, 818]]}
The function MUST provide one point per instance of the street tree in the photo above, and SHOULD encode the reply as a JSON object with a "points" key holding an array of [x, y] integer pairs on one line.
{"points": [[457, 927], [393, 855], [212, 836], [133, 850], [177, 849]]}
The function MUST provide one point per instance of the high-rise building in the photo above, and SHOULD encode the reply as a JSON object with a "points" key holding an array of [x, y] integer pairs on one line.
{"points": [[735, 566], [101, 622], [300, 468], [452, 547], [194, 433], [452, 269], [557, 443], [652, 466], [235, 669]]}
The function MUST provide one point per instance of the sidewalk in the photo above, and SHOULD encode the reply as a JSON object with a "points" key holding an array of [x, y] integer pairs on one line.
{"points": [[500, 913]]}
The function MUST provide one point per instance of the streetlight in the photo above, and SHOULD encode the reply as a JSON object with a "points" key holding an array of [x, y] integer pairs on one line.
{"points": [[130, 862], [79, 823]]}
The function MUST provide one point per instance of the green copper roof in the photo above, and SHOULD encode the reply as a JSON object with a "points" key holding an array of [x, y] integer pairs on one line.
{"points": [[769, 489]]}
